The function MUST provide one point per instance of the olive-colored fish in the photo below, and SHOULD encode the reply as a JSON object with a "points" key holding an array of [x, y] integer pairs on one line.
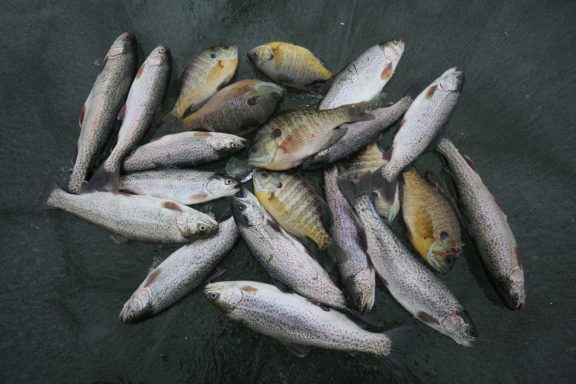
{"points": [[358, 135], [413, 285], [299, 324], [489, 228], [144, 99], [134, 217], [184, 149], [101, 108], [283, 257], [423, 122], [287, 140], [293, 203], [237, 109], [202, 76], [432, 223], [356, 272], [179, 274], [183, 186], [386, 201], [290, 65], [365, 77]]}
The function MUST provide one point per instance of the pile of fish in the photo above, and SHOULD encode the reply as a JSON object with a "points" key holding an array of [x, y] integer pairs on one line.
{"points": [[142, 191]]}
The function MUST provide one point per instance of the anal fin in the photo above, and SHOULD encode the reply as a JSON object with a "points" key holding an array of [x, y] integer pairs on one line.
{"points": [[297, 349]]}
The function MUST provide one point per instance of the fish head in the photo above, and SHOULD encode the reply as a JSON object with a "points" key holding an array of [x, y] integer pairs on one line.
{"points": [[225, 295], [443, 253], [195, 225], [262, 56], [360, 289], [459, 326], [125, 43], [220, 185], [138, 306], [247, 211], [451, 80], [159, 56], [228, 143], [263, 148], [511, 289], [265, 181], [225, 58], [392, 49], [266, 94]]}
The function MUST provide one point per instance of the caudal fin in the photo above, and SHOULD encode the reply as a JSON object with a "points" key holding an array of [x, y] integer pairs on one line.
{"points": [[386, 190], [397, 354], [355, 191], [172, 122], [103, 180], [356, 112], [48, 198]]}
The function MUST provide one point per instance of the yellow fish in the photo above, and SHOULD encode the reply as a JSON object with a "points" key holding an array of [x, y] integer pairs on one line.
{"points": [[290, 64], [293, 203], [432, 223]]}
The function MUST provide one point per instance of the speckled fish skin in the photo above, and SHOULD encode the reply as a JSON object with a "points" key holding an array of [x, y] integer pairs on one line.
{"points": [[294, 320], [433, 226], [365, 77], [489, 228], [288, 139], [183, 186], [144, 99], [358, 135], [356, 272], [179, 274], [370, 159], [202, 76], [237, 109], [101, 108], [184, 149], [285, 259], [290, 65], [293, 203], [141, 218], [409, 281], [423, 121]]}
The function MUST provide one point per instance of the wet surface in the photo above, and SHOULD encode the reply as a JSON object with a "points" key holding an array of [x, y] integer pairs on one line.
{"points": [[63, 281]]}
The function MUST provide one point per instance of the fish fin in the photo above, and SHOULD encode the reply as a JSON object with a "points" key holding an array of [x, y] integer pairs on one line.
{"points": [[298, 350], [239, 169], [121, 113], [336, 253], [104, 180], [354, 191], [337, 134], [356, 112], [401, 339], [371, 318], [326, 85], [376, 102], [118, 239], [171, 122], [387, 190], [216, 273], [44, 203], [470, 162], [225, 215]]}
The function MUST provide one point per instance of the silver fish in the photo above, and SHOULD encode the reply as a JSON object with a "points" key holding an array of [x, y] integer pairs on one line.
{"points": [[299, 324], [411, 283], [134, 217], [423, 121], [353, 263], [489, 228], [179, 274], [144, 99], [183, 186], [101, 108], [186, 148], [285, 259], [358, 135], [365, 77]]}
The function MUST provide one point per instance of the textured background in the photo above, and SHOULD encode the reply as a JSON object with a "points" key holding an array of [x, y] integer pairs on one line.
{"points": [[63, 281]]}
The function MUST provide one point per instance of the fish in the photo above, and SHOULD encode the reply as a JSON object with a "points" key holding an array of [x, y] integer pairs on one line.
{"points": [[423, 122], [101, 108], [432, 223], [356, 272], [300, 325], [237, 109], [358, 135], [371, 158], [365, 77], [144, 99], [180, 273], [133, 217], [285, 259], [488, 227], [289, 138], [410, 282], [183, 186], [202, 76], [293, 203], [290, 65], [183, 149]]}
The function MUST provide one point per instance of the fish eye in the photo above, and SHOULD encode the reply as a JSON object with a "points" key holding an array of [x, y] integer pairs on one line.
{"points": [[228, 181], [241, 207], [279, 184], [202, 227], [264, 175], [253, 149], [213, 55], [275, 95], [252, 101], [214, 295]]}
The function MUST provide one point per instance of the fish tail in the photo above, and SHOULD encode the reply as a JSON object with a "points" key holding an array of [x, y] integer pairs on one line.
{"points": [[172, 122], [106, 178], [356, 112], [356, 191], [386, 190], [49, 197], [397, 353]]}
